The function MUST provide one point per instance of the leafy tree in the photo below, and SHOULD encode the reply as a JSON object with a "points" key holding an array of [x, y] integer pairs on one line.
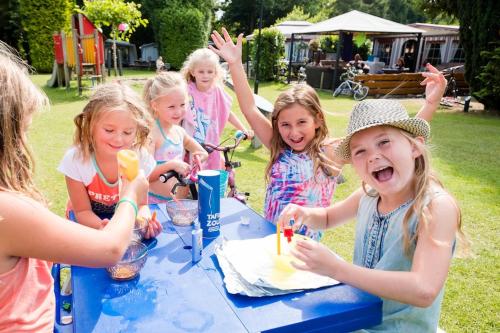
{"points": [[272, 50], [298, 14], [115, 14], [180, 27], [490, 78], [479, 27], [39, 20], [243, 16]]}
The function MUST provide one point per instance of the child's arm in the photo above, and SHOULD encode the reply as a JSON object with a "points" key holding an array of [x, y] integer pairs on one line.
{"points": [[81, 204], [418, 287], [233, 120], [194, 147], [232, 54], [30, 230], [319, 217], [435, 85]]}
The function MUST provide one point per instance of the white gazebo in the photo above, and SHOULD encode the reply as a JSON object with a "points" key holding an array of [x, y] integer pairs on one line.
{"points": [[352, 22]]}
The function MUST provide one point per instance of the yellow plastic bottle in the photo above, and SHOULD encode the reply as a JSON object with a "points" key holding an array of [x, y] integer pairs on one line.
{"points": [[128, 163]]}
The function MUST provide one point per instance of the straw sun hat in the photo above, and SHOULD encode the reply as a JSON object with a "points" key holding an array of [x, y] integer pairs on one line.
{"points": [[371, 113]]}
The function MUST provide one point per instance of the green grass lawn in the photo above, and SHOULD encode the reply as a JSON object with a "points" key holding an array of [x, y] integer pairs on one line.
{"points": [[466, 151]]}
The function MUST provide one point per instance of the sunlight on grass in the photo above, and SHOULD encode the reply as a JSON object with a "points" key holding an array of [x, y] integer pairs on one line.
{"points": [[466, 150]]}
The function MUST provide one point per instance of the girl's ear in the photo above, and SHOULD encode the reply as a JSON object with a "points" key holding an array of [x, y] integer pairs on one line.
{"points": [[415, 150], [318, 120]]}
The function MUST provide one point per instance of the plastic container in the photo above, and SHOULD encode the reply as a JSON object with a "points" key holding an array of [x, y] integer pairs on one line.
{"points": [[196, 242], [128, 163], [224, 176], [209, 202]]}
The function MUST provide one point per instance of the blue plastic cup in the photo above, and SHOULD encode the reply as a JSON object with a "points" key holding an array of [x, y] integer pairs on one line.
{"points": [[209, 202]]}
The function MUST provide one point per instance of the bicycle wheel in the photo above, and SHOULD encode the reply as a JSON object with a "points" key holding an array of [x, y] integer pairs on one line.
{"points": [[338, 91], [361, 93]]}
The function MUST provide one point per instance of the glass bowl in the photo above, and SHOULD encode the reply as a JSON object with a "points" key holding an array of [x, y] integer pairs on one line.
{"points": [[182, 212], [140, 228], [131, 263]]}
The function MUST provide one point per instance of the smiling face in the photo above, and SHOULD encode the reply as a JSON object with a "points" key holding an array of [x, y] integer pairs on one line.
{"points": [[385, 159], [170, 108], [204, 74], [296, 126], [115, 130]]}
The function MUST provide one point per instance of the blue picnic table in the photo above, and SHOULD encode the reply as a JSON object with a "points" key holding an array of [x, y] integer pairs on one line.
{"points": [[172, 294]]}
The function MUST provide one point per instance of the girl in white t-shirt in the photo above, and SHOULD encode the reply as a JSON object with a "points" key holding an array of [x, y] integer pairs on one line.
{"points": [[114, 119]]}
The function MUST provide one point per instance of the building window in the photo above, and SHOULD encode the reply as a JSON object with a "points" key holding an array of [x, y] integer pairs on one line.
{"points": [[434, 55], [458, 52], [384, 52]]}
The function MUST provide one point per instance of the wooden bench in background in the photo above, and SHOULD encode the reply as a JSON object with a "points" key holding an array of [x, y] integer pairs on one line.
{"points": [[402, 83]]}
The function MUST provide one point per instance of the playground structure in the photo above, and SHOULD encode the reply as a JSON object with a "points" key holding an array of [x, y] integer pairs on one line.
{"points": [[81, 51]]}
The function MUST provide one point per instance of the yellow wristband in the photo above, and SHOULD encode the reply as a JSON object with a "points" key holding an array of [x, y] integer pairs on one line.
{"points": [[130, 201]]}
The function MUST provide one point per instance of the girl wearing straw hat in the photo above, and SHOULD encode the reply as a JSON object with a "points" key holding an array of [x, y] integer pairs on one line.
{"points": [[406, 222]]}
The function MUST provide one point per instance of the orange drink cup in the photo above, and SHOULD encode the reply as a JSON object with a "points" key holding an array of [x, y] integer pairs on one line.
{"points": [[128, 163]]}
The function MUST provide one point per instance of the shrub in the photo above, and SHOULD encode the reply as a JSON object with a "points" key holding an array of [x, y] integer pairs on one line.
{"points": [[490, 79], [40, 19], [272, 50]]}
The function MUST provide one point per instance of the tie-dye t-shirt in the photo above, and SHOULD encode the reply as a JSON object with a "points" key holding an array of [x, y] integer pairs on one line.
{"points": [[207, 114], [292, 180], [103, 195]]}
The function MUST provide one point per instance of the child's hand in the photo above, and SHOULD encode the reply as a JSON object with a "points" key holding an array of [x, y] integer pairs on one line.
{"points": [[182, 168], [154, 227], [330, 145], [249, 133], [226, 49], [315, 257], [292, 211], [435, 84], [136, 189], [104, 222]]}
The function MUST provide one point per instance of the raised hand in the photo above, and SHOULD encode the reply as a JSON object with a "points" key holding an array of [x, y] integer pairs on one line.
{"points": [[435, 84], [226, 49]]}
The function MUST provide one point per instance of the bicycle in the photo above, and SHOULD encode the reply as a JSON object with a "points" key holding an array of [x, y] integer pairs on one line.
{"points": [[301, 76], [229, 166], [451, 93], [350, 87]]}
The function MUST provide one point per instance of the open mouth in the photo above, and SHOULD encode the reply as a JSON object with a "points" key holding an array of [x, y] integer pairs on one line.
{"points": [[383, 174], [297, 141]]}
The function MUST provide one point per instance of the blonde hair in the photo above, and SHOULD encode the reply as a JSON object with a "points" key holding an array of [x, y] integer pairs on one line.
{"points": [[199, 56], [160, 85], [425, 179], [110, 97], [19, 100], [305, 96]]}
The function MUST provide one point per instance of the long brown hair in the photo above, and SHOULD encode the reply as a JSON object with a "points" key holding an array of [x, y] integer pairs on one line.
{"points": [[110, 97], [19, 100], [305, 96], [425, 179]]}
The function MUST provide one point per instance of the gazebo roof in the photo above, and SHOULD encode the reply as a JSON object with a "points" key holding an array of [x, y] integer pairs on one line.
{"points": [[356, 21]]}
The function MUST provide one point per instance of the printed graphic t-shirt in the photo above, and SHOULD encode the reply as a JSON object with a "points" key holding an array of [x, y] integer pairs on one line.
{"points": [[103, 195], [206, 117]]}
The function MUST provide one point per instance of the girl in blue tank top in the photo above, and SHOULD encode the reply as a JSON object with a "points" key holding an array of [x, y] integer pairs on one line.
{"points": [[166, 97], [406, 221]]}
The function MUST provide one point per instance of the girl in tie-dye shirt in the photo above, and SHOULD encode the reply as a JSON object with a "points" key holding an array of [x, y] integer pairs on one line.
{"points": [[302, 168]]}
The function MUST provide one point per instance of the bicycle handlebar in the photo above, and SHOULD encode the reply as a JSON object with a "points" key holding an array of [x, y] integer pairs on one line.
{"points": [[238, 137]]}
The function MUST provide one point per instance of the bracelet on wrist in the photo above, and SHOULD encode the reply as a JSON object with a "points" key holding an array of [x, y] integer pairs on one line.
{"points": [[131, 202]]}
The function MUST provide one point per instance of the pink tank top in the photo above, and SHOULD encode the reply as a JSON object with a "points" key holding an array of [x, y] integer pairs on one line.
{"points": [[27, 301]]}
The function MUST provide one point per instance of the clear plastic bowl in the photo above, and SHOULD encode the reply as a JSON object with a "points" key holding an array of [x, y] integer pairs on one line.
{"points": [[183, 211], [131, 263]]}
